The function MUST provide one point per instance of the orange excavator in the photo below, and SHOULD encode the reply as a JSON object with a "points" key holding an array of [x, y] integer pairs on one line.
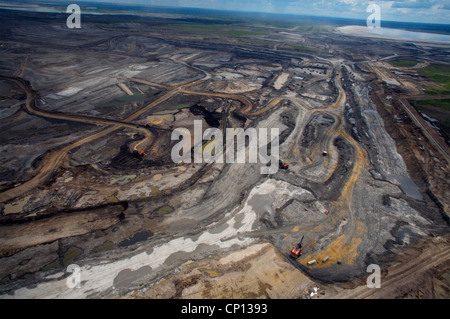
{"points": [[297, 250], [138, 153]]}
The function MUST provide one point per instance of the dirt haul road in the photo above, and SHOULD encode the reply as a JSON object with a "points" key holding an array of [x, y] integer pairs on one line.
{"points": [[407, 273], [430, 134], [229, 213], [54, 159]]}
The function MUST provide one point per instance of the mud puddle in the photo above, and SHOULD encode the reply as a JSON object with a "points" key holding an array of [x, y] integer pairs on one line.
{"points": [[138, 237]]}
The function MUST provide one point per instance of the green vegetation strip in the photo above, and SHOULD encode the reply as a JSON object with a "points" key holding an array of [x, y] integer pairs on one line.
{"points": [[125, 99], [221, 30], [441, 104], [440, 75], [314, 28], [403, 63]]}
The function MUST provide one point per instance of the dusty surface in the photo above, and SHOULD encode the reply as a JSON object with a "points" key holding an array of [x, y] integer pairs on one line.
{"points": [[258, 271], [418, 272]]}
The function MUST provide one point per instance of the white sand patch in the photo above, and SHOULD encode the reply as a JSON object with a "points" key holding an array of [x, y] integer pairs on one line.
{"points": [[86, 84], [138, 67], [229, 75], [282, 78], [69, 91], [126, 73], [101, 277]]}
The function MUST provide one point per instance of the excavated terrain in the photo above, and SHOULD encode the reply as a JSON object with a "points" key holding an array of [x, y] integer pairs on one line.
{"points": [[87, 177]]}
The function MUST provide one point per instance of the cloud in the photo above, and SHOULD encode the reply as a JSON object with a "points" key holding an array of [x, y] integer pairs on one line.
{"points": [[432, 11], [350, 2]]}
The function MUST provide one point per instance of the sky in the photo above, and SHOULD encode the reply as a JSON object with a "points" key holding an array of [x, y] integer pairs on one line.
{"points": [[427, 11]]}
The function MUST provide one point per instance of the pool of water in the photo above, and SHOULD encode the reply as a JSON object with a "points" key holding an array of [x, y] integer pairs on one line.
{"points": [[407, 185], [33, 9], [138, 237]]}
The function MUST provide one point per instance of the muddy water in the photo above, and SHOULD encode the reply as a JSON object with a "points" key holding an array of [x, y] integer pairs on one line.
{"points": [[127, 277], [262, 204], [16, 207], [407, 186], [212, 118], [138, 237]]}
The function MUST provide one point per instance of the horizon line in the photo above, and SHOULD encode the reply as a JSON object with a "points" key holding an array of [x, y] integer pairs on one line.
{"points": [[156, 6]]}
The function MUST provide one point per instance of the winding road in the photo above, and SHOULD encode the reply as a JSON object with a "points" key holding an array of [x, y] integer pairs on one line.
{"points": [[56, 156]]}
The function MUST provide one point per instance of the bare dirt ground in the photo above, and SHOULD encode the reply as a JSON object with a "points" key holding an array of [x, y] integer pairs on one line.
{"points": [[418, 272], [259, 271]]}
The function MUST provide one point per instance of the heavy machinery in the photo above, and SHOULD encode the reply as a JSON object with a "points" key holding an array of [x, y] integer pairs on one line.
{"points": [[139, 153], [297, 250], [283, 165]]}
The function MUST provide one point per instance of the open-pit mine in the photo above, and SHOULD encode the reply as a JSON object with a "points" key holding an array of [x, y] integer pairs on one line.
{"points": [[87, 178]]}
